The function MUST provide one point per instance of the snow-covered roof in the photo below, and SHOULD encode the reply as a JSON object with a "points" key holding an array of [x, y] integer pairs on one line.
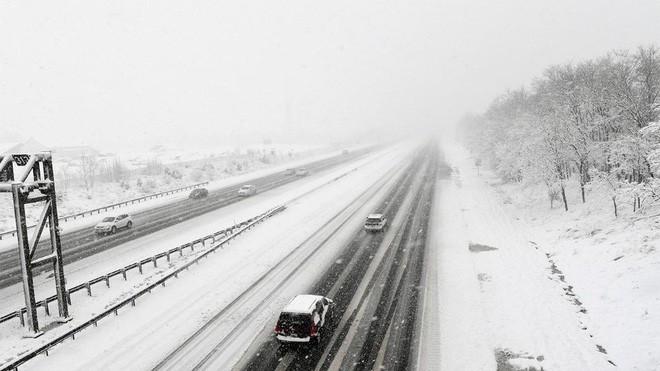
{"points": [[375, 216], [302, 304], [31, 146]]}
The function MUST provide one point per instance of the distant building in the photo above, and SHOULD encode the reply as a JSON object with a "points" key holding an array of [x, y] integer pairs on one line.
{"points": [[31, 146], [75, 151]]}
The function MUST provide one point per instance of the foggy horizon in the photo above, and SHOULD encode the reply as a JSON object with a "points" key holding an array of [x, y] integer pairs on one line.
{"points": [[126, 75]]}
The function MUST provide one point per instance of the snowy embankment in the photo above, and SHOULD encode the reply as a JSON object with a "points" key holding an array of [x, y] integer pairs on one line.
{"points": [[612, 264], [160, 321], [502, 303]]}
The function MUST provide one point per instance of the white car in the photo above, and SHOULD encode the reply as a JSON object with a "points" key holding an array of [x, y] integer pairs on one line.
{"points": [[112, 224], [302, 172], [247, 190], [304, 319], [375, 223]]}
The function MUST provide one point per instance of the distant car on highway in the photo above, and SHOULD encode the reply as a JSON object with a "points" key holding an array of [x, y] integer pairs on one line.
{"points": [[247, 190], [302, 172], [198, 193], [112, 224], [289, 171], [375, 223], [304, 319]]}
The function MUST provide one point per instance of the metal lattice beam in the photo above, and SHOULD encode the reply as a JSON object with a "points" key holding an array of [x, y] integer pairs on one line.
{"points": [[40, 188]]}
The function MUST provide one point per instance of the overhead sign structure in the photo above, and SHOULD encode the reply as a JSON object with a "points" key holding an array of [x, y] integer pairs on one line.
{"points": [[35, 183]]}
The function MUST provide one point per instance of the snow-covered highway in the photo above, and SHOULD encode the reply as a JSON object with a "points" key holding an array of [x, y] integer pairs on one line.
{"points": [[316, 188]]}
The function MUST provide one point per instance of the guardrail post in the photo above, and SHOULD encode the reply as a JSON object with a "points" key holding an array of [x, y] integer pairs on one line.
{"points": [[123, 273], [68, 297], [167, 255], [107, 280], [89, 288], [192, 246], [155, 261], [180, 251], [21, 318], [139, 267], [45, 305]]}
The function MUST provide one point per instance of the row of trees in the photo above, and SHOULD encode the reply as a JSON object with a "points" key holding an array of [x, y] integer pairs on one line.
{"points": [[596, 121]]}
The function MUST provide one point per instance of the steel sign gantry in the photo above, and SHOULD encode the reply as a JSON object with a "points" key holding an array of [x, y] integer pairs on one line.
{"points": [[36, 183]]}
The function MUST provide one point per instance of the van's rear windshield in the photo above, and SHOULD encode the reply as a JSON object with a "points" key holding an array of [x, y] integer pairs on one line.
{"points": [[293, 319]]}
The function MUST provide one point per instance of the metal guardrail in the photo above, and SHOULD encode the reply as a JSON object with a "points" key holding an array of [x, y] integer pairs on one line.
{"points": [[111, 207], [153, 260], [228, 235]]}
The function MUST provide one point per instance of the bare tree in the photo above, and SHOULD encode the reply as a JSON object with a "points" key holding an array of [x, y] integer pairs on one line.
{"points": [[64, 177], [88, 168]]}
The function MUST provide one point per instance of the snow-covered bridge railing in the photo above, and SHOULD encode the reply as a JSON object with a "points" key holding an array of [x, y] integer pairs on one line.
{"points": [[113, 206], [223, 236]]}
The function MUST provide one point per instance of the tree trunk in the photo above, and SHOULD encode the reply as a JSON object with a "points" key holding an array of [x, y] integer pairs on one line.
{"points": [[563, 196], [616, 214], [582, 191]]}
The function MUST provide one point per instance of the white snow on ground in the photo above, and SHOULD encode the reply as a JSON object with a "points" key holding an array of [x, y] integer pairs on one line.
{"points": [[499, 302], [612, 264], [9, 242], [161, 320]]}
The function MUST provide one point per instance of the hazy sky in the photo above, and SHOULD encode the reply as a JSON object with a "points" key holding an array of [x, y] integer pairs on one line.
{"points": [[127, 73]]}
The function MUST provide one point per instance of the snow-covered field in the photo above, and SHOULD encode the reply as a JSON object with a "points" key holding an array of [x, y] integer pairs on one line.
{"points": [[163, 319], [522, 285], [216, 165]]}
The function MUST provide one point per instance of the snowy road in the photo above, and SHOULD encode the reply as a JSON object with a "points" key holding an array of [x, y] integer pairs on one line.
{"points": [[452, 284], [163, 321], [375, 288], [82, 243]]}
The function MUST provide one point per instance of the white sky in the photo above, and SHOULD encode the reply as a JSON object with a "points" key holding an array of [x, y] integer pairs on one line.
{"points": [[127, 73]]}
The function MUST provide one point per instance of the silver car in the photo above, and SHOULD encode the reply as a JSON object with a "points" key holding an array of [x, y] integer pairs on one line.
{"points": [[112, 224], [247, 190]]}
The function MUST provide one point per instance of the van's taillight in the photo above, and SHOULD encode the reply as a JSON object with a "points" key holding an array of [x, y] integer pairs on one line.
{"points": [[312, 330], [277, 328]]}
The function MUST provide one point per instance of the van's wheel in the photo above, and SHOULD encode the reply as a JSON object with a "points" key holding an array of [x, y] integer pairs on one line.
{"points": [[129, 225], [317, 340], [113, 230]]}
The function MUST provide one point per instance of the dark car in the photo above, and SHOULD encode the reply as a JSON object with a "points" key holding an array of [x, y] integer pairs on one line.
{"points": [[304, 319], [198, 193]]}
